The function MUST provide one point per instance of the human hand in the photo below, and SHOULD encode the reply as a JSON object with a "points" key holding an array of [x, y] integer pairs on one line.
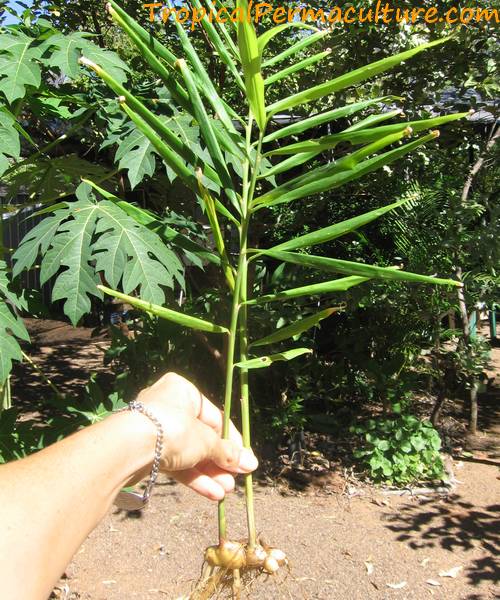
{"points": [[194, 452]]}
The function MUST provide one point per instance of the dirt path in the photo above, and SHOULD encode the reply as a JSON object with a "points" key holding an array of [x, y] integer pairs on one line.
{"points": [[338, 548]]}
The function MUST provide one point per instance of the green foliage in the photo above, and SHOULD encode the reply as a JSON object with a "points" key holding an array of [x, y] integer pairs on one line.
{"points": [[37, 63], [135, 361], [89, 237], [266, 361], [294, 329], [48, 179], [67, 415], [399, 450], [135, 153], [229, 174], [9, 140], [12, 446], [471, 361], [166, 313], [67, 49], [19, 66], [12, 327]]}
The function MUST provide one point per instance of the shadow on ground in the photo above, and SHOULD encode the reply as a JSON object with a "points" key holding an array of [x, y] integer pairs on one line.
{"points": [[66, 356], [453, 524]]}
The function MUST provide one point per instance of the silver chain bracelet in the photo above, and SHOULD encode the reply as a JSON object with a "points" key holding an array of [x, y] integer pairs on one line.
{"points": [[135, 500]]}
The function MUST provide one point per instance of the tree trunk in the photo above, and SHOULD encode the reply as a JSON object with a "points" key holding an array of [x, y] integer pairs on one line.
{"points": [[473, 383], [479, 164], [439, 379], [5, 396], [471, 394], [438, 405], [473, 406], [98, 29], [462, 306]]}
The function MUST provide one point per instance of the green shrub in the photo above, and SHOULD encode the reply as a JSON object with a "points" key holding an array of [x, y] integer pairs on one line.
{"points": [[400, 450]]}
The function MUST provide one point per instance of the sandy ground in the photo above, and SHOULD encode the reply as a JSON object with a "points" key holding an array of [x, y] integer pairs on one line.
{"points": [[339, 548]]}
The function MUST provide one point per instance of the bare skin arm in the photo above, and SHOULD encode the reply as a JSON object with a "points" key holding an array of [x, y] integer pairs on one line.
{"points": [[51, 501]]}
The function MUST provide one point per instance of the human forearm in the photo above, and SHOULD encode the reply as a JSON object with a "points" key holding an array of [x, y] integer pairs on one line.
{"points": [[51, 501]]}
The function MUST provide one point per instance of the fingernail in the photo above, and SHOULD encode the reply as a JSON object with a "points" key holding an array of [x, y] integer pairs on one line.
{"points": [[248, 460]]}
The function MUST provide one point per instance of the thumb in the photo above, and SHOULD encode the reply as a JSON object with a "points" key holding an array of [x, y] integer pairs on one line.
{"points": [[232, 457], [225, 454], [229, 455]]}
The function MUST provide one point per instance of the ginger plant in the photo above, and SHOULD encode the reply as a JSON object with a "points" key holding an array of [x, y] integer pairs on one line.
{"points": [[232, 199]]}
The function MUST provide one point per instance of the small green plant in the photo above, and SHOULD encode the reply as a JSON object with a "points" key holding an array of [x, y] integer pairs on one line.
{"points": [[400, 450], [472, 360]]}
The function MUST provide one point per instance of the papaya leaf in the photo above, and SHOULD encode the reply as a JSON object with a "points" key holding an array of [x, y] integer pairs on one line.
{"points": [[9, 141], [46, 179], [5, 291], [10, 350], [135, 153], [37, 240], [71, 248], [194, 251], [171, 159], [87, 238], [19, 66], [11, 326], [67, 49]]}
